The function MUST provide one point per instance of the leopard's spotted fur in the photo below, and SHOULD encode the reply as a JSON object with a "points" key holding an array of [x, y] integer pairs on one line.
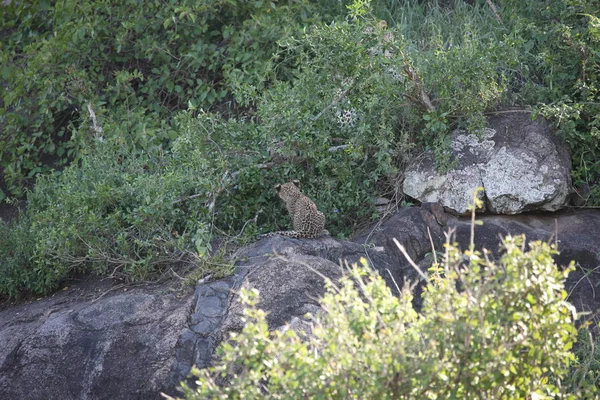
{"points": [[308, 222]]}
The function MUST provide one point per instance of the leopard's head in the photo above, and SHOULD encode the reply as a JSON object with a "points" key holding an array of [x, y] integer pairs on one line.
{"points": [[288, 191]]}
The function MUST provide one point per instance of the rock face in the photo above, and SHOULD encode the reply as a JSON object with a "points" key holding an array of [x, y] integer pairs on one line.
{"points": [[289, 272], [577, 234], [520, 163], [121, 346], [135, 344], [289, 275]]}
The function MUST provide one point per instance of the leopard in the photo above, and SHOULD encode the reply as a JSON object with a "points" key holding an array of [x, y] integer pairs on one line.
{"points": [[307, 220]]}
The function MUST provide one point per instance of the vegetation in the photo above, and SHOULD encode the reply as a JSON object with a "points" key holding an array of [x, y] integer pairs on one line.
{"points": [[560, 62], [140, 134], [167, 125], [494, 330], [584, 372], [118, 57]]}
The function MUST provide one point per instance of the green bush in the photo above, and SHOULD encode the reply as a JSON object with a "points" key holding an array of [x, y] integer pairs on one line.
{"points": [[363, 95], [123, 56], [16, 248], [229, 156], [115, 213], [559, 46], [343, 125], [487, 329]]}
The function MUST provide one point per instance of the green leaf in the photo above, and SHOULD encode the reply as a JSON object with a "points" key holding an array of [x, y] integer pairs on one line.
{"points": [[6, 72]]}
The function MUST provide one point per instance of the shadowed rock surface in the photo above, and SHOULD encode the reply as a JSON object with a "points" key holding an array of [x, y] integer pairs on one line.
{"points": [[68, 346], [133, 344], [576, 232]]}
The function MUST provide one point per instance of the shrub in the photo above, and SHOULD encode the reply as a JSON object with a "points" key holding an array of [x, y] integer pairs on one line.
{"points": [[16, 248], [560, 54], [229, 156], [61, 56], [343, 125], [121, 58], [363, 95], [116, 213], [343, 111], [487, 329]]}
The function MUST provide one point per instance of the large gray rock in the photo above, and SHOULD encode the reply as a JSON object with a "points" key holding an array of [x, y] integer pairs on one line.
{"points": [[289, 272], [134, 344], [520, 163], [576, 233], [88, 346], [289, 276]]}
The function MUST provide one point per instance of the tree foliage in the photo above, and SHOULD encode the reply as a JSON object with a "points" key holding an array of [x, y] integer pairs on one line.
{"points": [[121, 57], [337, 97]]}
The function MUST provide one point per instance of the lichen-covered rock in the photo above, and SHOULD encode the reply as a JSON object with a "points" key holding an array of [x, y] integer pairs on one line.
{"points": [[520, 163]]}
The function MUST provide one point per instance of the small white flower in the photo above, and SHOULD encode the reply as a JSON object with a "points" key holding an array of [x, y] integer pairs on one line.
{"points": [[346, 118]]}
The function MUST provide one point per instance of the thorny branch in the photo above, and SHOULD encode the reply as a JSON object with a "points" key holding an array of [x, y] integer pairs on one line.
{"points": [[424, 97]]}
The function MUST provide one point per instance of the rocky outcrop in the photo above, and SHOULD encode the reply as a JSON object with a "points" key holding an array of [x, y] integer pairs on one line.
{"points": [[289, 275], [290, 281], [576, 233], [520, 163], [134, 344], [289, 272], [92, 344]]}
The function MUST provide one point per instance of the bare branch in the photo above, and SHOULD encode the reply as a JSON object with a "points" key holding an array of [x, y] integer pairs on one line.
{"points": [[186, 198], [423, 96], [333, 149], [410, 260], [97, 128], [494, 10]]}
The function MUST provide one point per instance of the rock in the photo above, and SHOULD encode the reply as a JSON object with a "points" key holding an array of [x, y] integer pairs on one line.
{"points": [[576, 233], [289, 287], [521, 164], [289, 275], [381, 201], [381, 204], [411, 227], [135, 344], [121, 346], [289, 272]]}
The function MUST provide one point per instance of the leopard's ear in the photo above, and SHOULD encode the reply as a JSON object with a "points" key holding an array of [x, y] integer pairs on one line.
{"points": [[278, 187], [296, 182]]}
